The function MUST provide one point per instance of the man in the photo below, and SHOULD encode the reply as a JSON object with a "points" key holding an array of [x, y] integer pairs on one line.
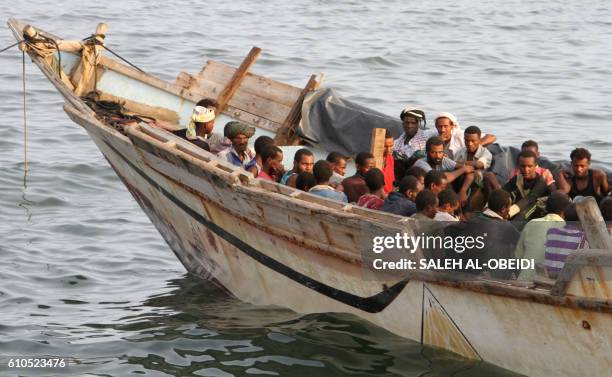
{"points": [[418, 173], [532, 145], [199, 130], [414, 137], [531, 245], [239, 154], [562, 241], [501, 236], [260, 144], [338, 163], [272, 163], [448, 204], [323, 172], [449, 130], [375, 182], [305, 181], [435, 181], [426, 205], [355, 185], [402, 202], [526, 187], [436, 160], [303, 161], [474, 154], [583, 181], [388, 163]]}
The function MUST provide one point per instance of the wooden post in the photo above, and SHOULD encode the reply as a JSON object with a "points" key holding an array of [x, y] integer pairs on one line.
{"points": [[593, 224], [286, 134], [377, 147], [232, 86]]}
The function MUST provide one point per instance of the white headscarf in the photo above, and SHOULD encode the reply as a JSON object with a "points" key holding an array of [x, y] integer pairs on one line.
{"points": [[200, 114]]}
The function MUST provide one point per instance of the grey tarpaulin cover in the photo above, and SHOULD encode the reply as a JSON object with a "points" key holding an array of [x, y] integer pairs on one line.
{"points": [[332, 123]]}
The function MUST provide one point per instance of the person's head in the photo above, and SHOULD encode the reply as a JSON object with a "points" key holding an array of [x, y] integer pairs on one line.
{"points": [[448, 201], [375, 180], [210, 104], [471, 136], [261, 143], [606, 208], [434, 147], [272, 159], [557, 203], [427, 203], [445, 122], [303, 160], [411, 120], [364, 162], [500, 202], [417, 172], [338, 162], [527, 162], [571, 214], [435, 181], [531, 145], [410, 187], [581, 161], [202, 121], [388, 143], [322, 171], [239, 134], [305, 181]]}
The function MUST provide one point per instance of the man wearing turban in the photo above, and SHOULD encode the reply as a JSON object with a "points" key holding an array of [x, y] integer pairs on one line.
{"points": [[240, 154]]}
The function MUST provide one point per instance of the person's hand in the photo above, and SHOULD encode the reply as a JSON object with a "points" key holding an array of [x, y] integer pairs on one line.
{"points": [[468, 168], [418, 154]]}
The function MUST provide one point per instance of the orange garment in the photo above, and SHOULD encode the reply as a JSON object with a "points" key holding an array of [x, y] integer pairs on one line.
{"points": [[389, 173]]}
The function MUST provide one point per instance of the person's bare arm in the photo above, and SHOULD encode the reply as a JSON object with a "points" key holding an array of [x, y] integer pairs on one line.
{"points": [[488, 139], [564, 185], [475, 164], [452, 175], [467, 182], [601, 181]]}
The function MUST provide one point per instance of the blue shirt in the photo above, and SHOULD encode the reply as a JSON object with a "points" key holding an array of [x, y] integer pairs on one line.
{"points": [[328, 192]]}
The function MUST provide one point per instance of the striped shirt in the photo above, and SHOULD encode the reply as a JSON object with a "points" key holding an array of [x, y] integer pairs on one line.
{"points": [[560, 242]]}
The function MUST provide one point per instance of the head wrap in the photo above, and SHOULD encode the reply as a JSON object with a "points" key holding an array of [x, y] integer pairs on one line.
{"points": [[414, 112], [234, 128], [450, 116], [200, 114]]}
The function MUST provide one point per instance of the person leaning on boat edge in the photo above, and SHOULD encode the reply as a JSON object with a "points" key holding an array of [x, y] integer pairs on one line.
{"points": [[323, 172], [355, 186], [582, 180], [240, 154], [303, 161], [272, 163], [199, 130]]}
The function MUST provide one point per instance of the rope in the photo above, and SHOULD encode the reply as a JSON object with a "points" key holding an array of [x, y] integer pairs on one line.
{"points": [[13, 45], [25, 119], [92, 39]]}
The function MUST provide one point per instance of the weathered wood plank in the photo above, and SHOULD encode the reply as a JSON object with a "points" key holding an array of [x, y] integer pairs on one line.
{"points": [[237, 78], [377, 147], [286, 134], [264, 87], [593, 224]]}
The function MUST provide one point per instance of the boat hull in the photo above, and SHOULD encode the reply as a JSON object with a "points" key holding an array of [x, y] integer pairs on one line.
{"points": [[241, 254]]}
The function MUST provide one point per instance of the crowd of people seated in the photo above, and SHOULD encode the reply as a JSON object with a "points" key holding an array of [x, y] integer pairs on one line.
{"points": [[438, 175]]}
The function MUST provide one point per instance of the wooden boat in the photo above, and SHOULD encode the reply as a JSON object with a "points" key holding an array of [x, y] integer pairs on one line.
{"points": [[271, 244]]}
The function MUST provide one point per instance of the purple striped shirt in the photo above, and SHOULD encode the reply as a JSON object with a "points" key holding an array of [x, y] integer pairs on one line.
{"points": [[560, 242]]}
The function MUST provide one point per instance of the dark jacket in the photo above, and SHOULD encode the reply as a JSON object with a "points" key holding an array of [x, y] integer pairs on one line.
{"points": [[526, 195], [398, 204]]}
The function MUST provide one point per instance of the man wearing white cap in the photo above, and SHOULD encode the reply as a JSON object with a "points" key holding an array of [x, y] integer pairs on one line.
{"points": [[199, 130], [452, 134], [414, 137]]}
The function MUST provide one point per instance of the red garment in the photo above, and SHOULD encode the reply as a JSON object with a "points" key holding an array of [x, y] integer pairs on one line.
{"points": [[263, 175], [370, 201], [389, 172]]}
